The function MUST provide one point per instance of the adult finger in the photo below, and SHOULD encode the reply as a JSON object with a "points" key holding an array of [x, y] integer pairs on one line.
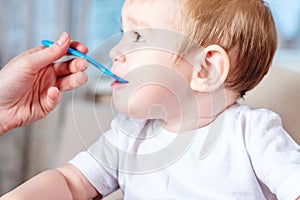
{"points": [[53, 98], [71, 66], [79, 46], [72, 81]]}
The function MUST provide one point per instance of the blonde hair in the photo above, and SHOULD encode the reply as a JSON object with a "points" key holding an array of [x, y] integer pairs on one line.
{"points": [[244, 26]]}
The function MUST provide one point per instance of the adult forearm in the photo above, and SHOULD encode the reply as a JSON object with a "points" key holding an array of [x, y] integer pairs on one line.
{"points": [[50, 185]]}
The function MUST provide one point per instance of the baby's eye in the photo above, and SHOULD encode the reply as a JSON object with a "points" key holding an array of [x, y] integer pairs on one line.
{"points": [[138, 37]]}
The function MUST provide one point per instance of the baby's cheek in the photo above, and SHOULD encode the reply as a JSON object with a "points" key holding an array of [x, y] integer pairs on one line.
{"points": [[152, 89]]}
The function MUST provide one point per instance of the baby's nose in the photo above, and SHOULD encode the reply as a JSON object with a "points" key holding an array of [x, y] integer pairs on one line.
{"points": [[116, 55], [116, 51], [113, 53]]}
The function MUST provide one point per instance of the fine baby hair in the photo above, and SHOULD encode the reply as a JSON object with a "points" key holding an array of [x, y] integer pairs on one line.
{"points": [[245, 29]]}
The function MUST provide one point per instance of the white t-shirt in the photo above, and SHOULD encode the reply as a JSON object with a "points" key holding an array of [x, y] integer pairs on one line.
{"points": [[244, 154]]}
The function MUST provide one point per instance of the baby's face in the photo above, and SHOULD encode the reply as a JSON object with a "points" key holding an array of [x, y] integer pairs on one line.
{"points": [[145, 57], [146, 26]]}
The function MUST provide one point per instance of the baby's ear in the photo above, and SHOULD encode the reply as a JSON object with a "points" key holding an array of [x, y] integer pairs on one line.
{"points": [[211, 67]]}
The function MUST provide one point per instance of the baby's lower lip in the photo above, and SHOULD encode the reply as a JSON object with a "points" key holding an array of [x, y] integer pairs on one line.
{"points": [[115, 84]]}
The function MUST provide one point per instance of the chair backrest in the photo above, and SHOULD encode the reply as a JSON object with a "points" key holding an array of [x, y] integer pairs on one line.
{"points": [[279, 91]]}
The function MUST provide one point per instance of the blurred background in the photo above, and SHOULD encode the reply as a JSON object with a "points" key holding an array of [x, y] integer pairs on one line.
{"points": [[85, 113], [54, 140]]}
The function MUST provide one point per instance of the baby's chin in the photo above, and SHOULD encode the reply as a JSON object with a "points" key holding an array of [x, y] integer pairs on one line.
{"points": [[139, 111], [133, 113]]}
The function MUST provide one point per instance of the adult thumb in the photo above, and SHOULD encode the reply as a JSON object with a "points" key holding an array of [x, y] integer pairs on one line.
{"points": [[44, 57]]}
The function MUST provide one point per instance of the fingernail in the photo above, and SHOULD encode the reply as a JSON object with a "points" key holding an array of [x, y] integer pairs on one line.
{"points": [[81, 64], [62, 39], [80, 78], [56, 90]]}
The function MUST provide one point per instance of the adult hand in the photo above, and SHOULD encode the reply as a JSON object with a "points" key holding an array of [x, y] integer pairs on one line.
{"points": [[31, 83]]}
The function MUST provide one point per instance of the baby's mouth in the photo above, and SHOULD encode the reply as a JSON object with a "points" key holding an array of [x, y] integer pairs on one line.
{"points": [[115, 83], [119, 79]]}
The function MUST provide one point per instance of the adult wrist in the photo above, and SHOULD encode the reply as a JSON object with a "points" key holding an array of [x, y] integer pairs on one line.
{"points": [[2, 124], [2, 131]]}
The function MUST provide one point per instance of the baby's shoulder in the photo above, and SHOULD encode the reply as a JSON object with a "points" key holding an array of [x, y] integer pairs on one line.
{"points": [[247, 113], [249, 119]]}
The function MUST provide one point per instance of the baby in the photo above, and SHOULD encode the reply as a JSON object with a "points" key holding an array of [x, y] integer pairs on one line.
{"points": [[180, 133]]}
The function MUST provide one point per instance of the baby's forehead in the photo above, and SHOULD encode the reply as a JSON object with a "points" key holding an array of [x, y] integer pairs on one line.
{"points": [[165, 4], [155, 13], [129, 1]]}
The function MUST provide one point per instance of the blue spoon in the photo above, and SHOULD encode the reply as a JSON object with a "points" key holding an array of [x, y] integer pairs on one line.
{"points": [[74, 52]]}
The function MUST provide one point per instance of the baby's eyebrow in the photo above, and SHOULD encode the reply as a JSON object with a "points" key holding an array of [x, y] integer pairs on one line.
{"points": [[132, 20], [135, 22]]}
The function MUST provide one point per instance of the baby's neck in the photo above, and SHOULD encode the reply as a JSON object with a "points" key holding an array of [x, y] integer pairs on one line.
{"points": [[209, 107]]}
